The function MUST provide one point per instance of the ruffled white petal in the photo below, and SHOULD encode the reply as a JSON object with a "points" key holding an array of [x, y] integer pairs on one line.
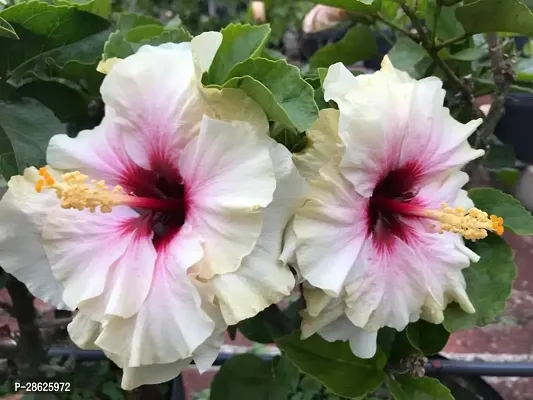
{"points": [[173, 305], [234, 105], [389, 121], [229, 178], [325, 316], [83, 331], [262, 279], [23, 213], [204, 48], [155, 98], [109, 256], [133, 377], [332, 219], [323, 144], [321, 311], [99, 152]]}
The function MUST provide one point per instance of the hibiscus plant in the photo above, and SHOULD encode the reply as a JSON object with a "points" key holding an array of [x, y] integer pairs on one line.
{"points": [[167, 188]]}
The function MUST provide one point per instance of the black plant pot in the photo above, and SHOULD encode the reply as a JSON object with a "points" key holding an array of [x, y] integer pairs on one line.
{"points": [[516, 126]]}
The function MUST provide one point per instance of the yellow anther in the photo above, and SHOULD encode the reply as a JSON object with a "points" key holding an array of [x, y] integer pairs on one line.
{"points": [[472, 224], [49, 180], [39, 185], [75, 191]]}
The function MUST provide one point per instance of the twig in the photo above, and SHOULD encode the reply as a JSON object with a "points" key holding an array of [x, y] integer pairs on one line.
{"points": [[436, 16], [465, 89], [502, 74], [397, 27], [31, 352], [451, 41]]}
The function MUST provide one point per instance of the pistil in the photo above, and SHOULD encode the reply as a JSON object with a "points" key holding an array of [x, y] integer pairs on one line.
{"points": [[76, 191], [472, 224]]}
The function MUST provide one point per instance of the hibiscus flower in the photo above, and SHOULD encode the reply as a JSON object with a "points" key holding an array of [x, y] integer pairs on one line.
{"points": [[163, 224], [380, 240]]}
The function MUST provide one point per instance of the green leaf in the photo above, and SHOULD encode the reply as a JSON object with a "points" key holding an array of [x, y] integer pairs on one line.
{"points": [[286, 373], [406, 54], [66, 100], [25, 130], [358, 44], [102, 8], [500, 156], [408, 387], [256, 330], [47, 32], [488, 284], [175, 22], [470, 54], [278, 88], [118, 46], [496, 16], [6, 30], [246, 376], [524, 70], [366, 6], [127, 21], [272, 54], [84, 74], [259, 329], [239, 43], [177, 35], [140, 33], [447, 25], [515, 216], [122, 44], [310, 385], [528, 48], [232, 331], [333, 364], [322, 72], [386, 338], [290, 138], [401, 348], [508, 177], [426, 337]]}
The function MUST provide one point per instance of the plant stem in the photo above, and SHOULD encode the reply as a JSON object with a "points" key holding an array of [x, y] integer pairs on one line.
{"points": [[31, 351], [397, 27], [451, 41], [436, 16], [433, 53], [503, 79]]}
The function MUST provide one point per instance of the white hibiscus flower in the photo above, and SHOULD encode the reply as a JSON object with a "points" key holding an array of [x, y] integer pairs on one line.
{"points": [[380, 239], [163, 224]]}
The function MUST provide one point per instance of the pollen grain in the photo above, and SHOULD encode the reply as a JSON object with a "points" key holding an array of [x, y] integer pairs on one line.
{"points": [[472, 224], [77, 192]]}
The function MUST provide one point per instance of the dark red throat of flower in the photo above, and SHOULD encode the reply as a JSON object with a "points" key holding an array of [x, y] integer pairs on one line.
{"points": [[393, 196], [162, 195]]}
